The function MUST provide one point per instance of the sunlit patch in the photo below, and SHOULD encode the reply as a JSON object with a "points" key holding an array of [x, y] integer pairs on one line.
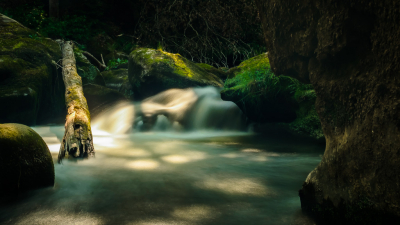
{"points": [[251, 150], [259, 159], [137, 153], [231, 155], [54, 147], [193, 213], [158, 222], [235, 186], [178, 159], [59, 217], [147, 164], [104, 142], [166, 147]]}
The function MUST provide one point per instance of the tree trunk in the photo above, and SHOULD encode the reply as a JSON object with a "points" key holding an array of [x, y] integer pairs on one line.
{"points": [[78, 139], [54, 11]]}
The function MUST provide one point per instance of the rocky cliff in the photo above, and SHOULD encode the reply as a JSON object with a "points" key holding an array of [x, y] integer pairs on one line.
{"points": [[349, 51]]}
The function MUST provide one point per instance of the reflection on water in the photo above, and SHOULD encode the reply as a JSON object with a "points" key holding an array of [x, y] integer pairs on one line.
{"points": [[219, 176]]}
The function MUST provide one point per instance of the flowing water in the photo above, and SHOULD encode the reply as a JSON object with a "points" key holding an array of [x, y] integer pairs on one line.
{"points": [[195, 165]]}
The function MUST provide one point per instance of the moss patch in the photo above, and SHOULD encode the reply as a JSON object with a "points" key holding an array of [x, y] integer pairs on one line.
{"points": [[152, 71], [265, 97]]}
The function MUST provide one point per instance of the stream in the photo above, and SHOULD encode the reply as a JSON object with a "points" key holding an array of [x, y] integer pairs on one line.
{"points": [[173, 174]]}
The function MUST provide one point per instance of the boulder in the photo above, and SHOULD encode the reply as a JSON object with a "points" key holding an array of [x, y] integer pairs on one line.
{"points": [[31, 88], [25, 160], [349, 51], [279, 101], [153, 71], [118, 80]]}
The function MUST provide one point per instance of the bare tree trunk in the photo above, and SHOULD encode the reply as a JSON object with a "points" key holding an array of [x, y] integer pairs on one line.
{"points": [[54, 9], [78, 139]]}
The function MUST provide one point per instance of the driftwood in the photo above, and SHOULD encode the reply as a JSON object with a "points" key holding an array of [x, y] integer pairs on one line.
{"points": [[95, 61], [78, 139]]}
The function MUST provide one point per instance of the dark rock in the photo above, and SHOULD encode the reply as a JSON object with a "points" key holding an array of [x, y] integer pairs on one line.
{"points": [[89, 73], [31, 88], [100, 98], [153, 71], [218, 72], [118, 80], [349, 51], [25, 160]]}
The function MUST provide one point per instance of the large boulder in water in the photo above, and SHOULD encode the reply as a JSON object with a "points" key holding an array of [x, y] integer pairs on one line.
{"points": [[31, 90], [349, 51], [153, 71], [25, 160]]}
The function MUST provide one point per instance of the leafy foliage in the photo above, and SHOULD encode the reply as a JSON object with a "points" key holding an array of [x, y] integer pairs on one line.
{"points": [[114, 63]]}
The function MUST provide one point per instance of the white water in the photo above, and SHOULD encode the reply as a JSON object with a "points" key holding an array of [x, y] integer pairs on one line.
{"points": [[191, 109], [205, 175]]}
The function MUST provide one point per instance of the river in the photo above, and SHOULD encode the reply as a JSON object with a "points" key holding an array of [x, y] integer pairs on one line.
{"points": [[171, 175]]}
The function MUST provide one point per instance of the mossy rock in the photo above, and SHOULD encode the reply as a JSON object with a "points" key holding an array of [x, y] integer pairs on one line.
{"points": [[89, 73], [118, 80], [218, 72], [261, 95], [31, 88], [266, 98], [99, 98], [25, 160], [153, 71]]}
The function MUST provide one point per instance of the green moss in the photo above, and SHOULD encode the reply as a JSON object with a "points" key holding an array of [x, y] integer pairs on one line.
{"points": [[152, 71], [261, 94]]}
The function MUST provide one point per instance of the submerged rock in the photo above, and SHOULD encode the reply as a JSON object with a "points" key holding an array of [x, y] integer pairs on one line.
{"points": [[25, 160], [153, 71], [31, 89], [349, 51]]}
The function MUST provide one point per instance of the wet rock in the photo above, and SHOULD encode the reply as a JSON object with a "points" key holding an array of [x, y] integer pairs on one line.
{"points": [[349, 51], [31, 88], [25, 160], [153, 71]]}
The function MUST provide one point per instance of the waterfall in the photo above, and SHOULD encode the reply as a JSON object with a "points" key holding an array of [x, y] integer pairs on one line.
{"points": [[173, 110]]}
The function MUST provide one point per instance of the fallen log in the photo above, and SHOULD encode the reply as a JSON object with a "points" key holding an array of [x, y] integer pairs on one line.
{"points": [[78, 139]]}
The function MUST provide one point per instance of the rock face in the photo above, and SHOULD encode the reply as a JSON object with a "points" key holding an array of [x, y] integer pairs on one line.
{"points": [[349, 51], [153, 71], [25, 160], [31, 89], [118, 80]]}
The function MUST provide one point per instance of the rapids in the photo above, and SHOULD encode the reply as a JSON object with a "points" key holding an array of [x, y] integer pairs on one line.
{"points": [[196, 164]]}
